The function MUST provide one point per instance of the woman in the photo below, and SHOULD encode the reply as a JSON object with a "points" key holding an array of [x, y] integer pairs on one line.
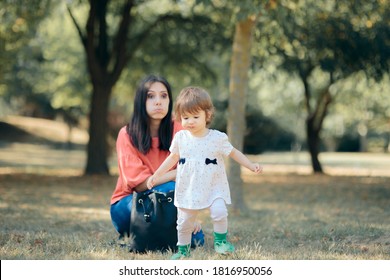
{"points": [[142, 145]]}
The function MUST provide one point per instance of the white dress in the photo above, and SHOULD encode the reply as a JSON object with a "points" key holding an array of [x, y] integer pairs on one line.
{"points": [[201, 175]]}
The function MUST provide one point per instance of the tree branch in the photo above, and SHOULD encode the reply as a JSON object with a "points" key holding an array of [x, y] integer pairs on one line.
{"points": [[82, 36], [119, 51], [102, 44]]}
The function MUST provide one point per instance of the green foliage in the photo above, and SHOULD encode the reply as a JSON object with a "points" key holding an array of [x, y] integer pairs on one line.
{"points": [[182, 42], [340, 37], [325, 43], [42, 73], [182, 48], [262, 133], [348, 143], [62, 75], [234, 10], [189, 42], [17, 28], [364, 103]]}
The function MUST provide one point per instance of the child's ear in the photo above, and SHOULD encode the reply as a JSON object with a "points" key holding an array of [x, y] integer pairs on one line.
{"points": [[208, 116]]}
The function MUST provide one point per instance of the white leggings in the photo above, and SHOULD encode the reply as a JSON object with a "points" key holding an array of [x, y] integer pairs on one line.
{"points": [[187, 217]]}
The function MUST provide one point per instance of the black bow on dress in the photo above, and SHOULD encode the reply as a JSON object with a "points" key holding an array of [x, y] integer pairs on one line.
{"points": [[208, 161]]}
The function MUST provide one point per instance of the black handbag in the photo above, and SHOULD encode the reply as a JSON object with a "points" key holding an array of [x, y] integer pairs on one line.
{"points": [[153, 222]]}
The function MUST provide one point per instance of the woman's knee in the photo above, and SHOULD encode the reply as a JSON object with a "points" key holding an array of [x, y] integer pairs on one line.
{"points": [[120, 215]]}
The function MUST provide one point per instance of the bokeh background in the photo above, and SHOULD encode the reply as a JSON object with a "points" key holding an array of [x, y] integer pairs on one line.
{"points": [[302, 86]]}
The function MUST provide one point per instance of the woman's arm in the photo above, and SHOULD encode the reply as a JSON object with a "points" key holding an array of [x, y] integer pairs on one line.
{"points": [[168, 163], [244, 161]]}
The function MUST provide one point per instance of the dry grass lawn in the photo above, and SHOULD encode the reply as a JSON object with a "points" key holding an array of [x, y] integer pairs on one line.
{"points": [[49, 211], [291, 217]]}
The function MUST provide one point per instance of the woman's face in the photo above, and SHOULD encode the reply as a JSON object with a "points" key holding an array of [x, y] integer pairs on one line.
{"points": [[157, 101]]}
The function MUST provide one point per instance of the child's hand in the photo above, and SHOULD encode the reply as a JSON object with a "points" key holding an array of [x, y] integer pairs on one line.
{"points": [[257, 168], [150, 182]]}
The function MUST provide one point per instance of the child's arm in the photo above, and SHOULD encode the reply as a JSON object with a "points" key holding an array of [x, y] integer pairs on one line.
{"points": [[169, 176], [244, 161], [168, 163]]}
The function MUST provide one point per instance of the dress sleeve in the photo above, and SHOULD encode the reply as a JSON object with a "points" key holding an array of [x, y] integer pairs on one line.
{"points": [[225, 145], [132, 170], [174, 149]]}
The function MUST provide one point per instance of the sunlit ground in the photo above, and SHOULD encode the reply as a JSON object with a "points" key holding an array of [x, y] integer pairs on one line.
{"points": [[33, 158], [355, 164]]}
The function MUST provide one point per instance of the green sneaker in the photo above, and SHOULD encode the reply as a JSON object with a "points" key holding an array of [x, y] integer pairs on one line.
{"points": [[221, 245], [224, 247], [183, 251]]}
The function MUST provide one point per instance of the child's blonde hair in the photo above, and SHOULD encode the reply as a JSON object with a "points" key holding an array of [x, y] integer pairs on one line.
{"points": [[192, 100]]}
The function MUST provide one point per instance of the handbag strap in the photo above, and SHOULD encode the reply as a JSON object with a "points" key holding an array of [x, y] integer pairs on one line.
{"points": [[146, 215]]}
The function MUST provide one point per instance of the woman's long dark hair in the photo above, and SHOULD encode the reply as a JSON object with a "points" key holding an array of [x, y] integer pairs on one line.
{"points": [[139, 125]]}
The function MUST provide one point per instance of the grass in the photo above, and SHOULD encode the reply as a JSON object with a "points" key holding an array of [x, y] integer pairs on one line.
{"points": [[49, 211], [292, 217]]}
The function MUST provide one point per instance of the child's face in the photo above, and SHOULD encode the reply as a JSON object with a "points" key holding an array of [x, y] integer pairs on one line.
{"points": [[157, 101], [194, 122]]}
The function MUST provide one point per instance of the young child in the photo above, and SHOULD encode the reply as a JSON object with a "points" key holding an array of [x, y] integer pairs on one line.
{"points": [[201, 181]]}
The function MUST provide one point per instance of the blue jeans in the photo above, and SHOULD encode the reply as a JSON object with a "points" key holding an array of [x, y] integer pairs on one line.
{"points": [[120, 214]]}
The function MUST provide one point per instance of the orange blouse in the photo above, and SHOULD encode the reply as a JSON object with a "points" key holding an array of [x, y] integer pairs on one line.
{"points": [[135, 167]]}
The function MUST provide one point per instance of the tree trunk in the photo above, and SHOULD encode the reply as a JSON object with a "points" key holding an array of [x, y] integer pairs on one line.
{"points": [[314, 124], [237, 102], [313, 143], [363, 141], [105, 65], [97, 151]]}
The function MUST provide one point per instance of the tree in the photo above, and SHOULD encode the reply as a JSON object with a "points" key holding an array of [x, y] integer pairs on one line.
{"points": [[315, 37], [239, 67], [109, 51], [366, 123], [105, 65], [241, 18], [240, 64]]}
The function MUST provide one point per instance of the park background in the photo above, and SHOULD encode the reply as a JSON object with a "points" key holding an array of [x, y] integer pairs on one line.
{"points": [[301, 86]]}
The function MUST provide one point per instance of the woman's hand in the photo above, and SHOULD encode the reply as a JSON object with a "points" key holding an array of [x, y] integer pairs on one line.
{"points": [[197, 227]]}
